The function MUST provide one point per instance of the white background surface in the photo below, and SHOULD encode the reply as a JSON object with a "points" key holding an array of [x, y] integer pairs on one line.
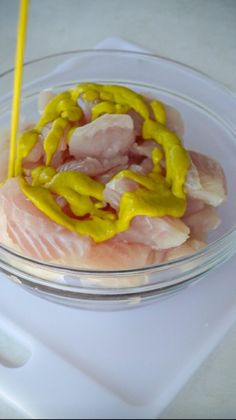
{"points": [[198, 33]]}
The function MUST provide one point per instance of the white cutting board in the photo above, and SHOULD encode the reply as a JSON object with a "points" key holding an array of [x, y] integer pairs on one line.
{"points": [[126, 364], [129, 364]]}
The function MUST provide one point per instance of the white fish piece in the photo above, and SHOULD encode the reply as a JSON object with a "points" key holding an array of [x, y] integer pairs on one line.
{"points": [[186, 249], [106, 177], [202, 222], [94, 167], [59, 157], [61, 152], [106, 137], [206, 180], [36, 153], [86, 107], [174, 120], [193, 206], [116, 188], [159, 233], [46, 130], [34, 233], [138, 122], [114, 254], [144, 168], [144, 149]]}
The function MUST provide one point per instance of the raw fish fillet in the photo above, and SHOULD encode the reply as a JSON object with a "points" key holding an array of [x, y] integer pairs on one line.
{"points": [[174, 121], [188, 248], [94, 167], [106, 137], [36, 153], [138, 122], [107, 176], [144, 168], [157, 232], [86, 107], [206, 180], [193, 206], [202, 221], [116, 188], [34, 233], [117, 254], [143, 149]]}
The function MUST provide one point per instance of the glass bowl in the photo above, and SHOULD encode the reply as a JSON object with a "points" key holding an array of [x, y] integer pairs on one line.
{"points": [[208, 111]]}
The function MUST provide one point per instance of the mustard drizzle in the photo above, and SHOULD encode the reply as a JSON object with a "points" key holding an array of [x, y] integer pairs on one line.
{"points": [[156, 195]]}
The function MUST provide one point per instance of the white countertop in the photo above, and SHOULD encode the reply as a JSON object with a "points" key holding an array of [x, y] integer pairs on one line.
{"points": [[199, 33]]}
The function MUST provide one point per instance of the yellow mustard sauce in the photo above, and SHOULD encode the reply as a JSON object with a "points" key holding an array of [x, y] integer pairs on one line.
{"points": [[156, 195], [54, 137], [176, 157], [107, 107], [97, 228], [26, 143]]}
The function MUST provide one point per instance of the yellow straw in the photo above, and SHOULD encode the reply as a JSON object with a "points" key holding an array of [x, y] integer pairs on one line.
{"points": [[21, 35]]}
